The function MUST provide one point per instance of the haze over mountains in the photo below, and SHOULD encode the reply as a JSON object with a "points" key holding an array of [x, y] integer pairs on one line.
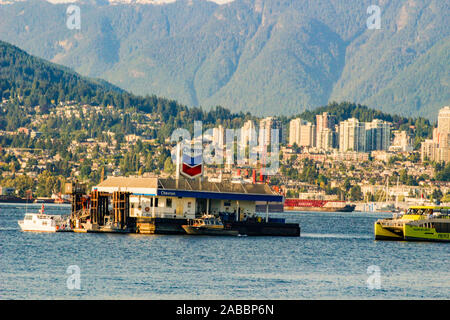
{"points": [[266, 57]]}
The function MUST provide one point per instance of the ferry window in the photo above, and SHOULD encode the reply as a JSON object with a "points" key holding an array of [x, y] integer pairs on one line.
{"points": [[169, 203], [189, 204], [156, 202], [28, 218], [44, 223], [227, 204]]}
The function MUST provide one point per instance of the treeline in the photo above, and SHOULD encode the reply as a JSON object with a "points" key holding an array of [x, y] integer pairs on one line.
{"points": [[442, 172]]}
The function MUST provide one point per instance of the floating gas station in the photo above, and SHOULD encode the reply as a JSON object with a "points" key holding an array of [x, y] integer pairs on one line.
{"points": [[155, 205]]}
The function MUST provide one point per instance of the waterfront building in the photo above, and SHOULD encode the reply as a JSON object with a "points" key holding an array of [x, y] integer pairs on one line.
{"points": [[155, 205], [186, 198]]}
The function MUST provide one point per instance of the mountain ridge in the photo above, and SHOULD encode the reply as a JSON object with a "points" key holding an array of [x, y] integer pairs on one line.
{"points": [[252, 55], [115, 2], [34, 86]]}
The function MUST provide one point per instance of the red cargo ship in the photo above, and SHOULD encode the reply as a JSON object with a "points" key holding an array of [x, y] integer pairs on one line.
{"points": [[317, 205]]}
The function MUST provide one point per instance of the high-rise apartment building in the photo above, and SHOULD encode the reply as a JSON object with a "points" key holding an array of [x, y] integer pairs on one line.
{"points": [[378, 135], [302, 133], [218, 136], [248, 133], [438, 148], [352, 135], [266, 126], [325, 124]]}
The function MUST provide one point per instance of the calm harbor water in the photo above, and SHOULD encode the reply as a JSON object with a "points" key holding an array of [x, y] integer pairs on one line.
{"points": [[329, 261]]}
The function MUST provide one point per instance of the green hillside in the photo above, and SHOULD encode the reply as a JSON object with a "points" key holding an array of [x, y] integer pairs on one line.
{"points": [[29, 81], [37, 81]]}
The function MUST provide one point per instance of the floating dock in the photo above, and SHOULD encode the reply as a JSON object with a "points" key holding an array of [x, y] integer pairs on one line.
{"points": [[161, 206]]}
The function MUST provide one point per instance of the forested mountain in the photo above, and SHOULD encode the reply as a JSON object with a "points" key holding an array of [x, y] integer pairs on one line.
{"points": [[39, 82], [31, 81], [263, 56]]}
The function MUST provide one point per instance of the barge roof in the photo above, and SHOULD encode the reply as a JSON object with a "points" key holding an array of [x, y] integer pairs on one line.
{"points": [[191, 188]]}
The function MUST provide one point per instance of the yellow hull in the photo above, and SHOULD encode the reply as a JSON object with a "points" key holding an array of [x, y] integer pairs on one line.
{"points": [[409, 231], [382, 233], [421, 223], [424, 234], [80, 230]]}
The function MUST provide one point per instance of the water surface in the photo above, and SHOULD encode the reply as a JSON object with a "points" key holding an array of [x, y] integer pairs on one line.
{"points": [[328, 261]]}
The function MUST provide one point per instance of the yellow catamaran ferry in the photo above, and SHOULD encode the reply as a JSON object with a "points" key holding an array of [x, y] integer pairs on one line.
{"points": [[419, 223]]}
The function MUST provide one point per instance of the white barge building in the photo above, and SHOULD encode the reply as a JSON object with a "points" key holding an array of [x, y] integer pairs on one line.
{"points": [[161, 206]]}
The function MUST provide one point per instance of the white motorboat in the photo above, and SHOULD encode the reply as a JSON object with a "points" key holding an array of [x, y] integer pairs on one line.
{"points": [[41, 222]]}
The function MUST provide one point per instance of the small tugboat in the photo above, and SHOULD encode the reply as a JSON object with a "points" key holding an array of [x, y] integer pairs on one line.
{"points": [[41, 222], [421, 223], [208, 225]]}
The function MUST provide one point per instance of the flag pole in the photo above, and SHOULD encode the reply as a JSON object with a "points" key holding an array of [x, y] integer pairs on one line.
{"points": [[178, 163]]}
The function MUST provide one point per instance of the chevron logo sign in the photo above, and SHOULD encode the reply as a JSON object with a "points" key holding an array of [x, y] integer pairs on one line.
{"points": [[192, 167]]}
